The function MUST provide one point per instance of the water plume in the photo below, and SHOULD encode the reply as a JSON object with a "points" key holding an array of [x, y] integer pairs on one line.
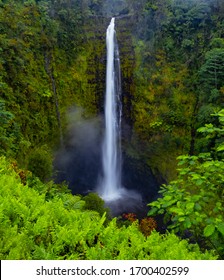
{"points": [[111, 189]]}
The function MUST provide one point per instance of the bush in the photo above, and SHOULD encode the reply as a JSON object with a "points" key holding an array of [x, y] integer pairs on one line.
{"points": [[40, 163], [95, 203]]}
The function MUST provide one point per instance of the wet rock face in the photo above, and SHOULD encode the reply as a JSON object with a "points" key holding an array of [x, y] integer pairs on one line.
{"points": [[138, 176]]}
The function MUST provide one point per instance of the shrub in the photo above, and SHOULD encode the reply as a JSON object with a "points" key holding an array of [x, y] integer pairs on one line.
{"points": [[40, 163], [94, 202]]}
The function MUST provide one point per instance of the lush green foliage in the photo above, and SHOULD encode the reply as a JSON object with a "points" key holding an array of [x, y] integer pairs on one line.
{"points": [[43, 71], [40, 163], [34, 225], [9, 131], [178, 78], [95, 203], [194, 202], [52, 56]]}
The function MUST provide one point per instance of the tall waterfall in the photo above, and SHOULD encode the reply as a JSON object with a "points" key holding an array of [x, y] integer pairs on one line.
{"points": [[110, 186]]}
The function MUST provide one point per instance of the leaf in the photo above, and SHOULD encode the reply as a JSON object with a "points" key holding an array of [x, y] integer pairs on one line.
{"points": [[209, 230], [220, 228], [161, 211], [196, 198], [187, 223], [155, 204], [199, 182], [167, 197], [190, 206], [219, 205], [169, 203], [152, 211], [181, 219], [176, 210], [220, 148], [198, 207]]}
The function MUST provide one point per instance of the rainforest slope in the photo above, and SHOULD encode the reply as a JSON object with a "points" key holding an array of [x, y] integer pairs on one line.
{"points": [[53, 58]]}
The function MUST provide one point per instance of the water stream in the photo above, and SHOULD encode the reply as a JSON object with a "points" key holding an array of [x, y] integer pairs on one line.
{"points": [[110, 186]]}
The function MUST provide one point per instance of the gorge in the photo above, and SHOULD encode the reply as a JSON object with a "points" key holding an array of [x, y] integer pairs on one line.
{"points": [[162, 159], [119, 178]]}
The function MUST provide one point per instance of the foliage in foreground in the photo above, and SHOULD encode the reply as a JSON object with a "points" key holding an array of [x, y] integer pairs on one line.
{"points": [[194, 203], [36, 225]]}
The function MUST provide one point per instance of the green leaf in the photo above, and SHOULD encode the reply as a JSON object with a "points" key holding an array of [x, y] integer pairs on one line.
{"points": [[155, 204], [187, 223], [152, 211], [219, 205], [209, 230], [169, 203], [197, 207], [220, 148], [190, 206], [177, 211], [167, 197], [196, 198], [181, 219], [220, 228], [199, 182], [161, 211]]}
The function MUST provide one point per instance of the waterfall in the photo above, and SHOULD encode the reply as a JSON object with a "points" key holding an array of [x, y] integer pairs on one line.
{"points": [[110, 186]]}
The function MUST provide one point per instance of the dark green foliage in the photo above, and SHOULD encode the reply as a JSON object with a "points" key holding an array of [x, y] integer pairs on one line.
{"points": [[95, 203], [40, 46], [178, 78], [114, 8], [52, 57], [211, 80], [212, 72], [9, 131], [40, 163]]}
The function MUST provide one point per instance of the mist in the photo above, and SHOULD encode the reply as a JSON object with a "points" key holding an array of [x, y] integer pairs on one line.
{"points": [[114, 7], [79, 161]]}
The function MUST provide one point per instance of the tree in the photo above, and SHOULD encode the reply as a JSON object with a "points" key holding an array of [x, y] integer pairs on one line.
{"points": [[212, 71]]}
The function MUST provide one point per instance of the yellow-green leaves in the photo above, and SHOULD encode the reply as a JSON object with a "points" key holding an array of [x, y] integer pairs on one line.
{"points": [[209, 230], [34, 225]]}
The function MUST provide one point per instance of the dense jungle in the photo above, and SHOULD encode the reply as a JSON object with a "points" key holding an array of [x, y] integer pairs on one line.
{"points": [[52, 88]]}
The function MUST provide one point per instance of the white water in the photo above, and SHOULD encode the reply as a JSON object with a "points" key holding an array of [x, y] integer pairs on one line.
{"points": [[110, 186]]}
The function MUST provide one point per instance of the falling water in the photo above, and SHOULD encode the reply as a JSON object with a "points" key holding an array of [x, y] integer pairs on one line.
{"points": [[110, 188]]}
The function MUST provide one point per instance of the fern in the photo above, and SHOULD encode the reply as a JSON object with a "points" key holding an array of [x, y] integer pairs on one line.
{"points": [[35, 226]]}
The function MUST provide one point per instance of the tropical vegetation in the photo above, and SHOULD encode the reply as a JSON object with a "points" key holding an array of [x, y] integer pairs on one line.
{"points": [[52, 59]]}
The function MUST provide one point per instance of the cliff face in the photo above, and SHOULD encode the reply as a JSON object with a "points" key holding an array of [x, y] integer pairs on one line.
{"points": [[80, 163], [137, 135], [124, 27], [95, 46]]}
